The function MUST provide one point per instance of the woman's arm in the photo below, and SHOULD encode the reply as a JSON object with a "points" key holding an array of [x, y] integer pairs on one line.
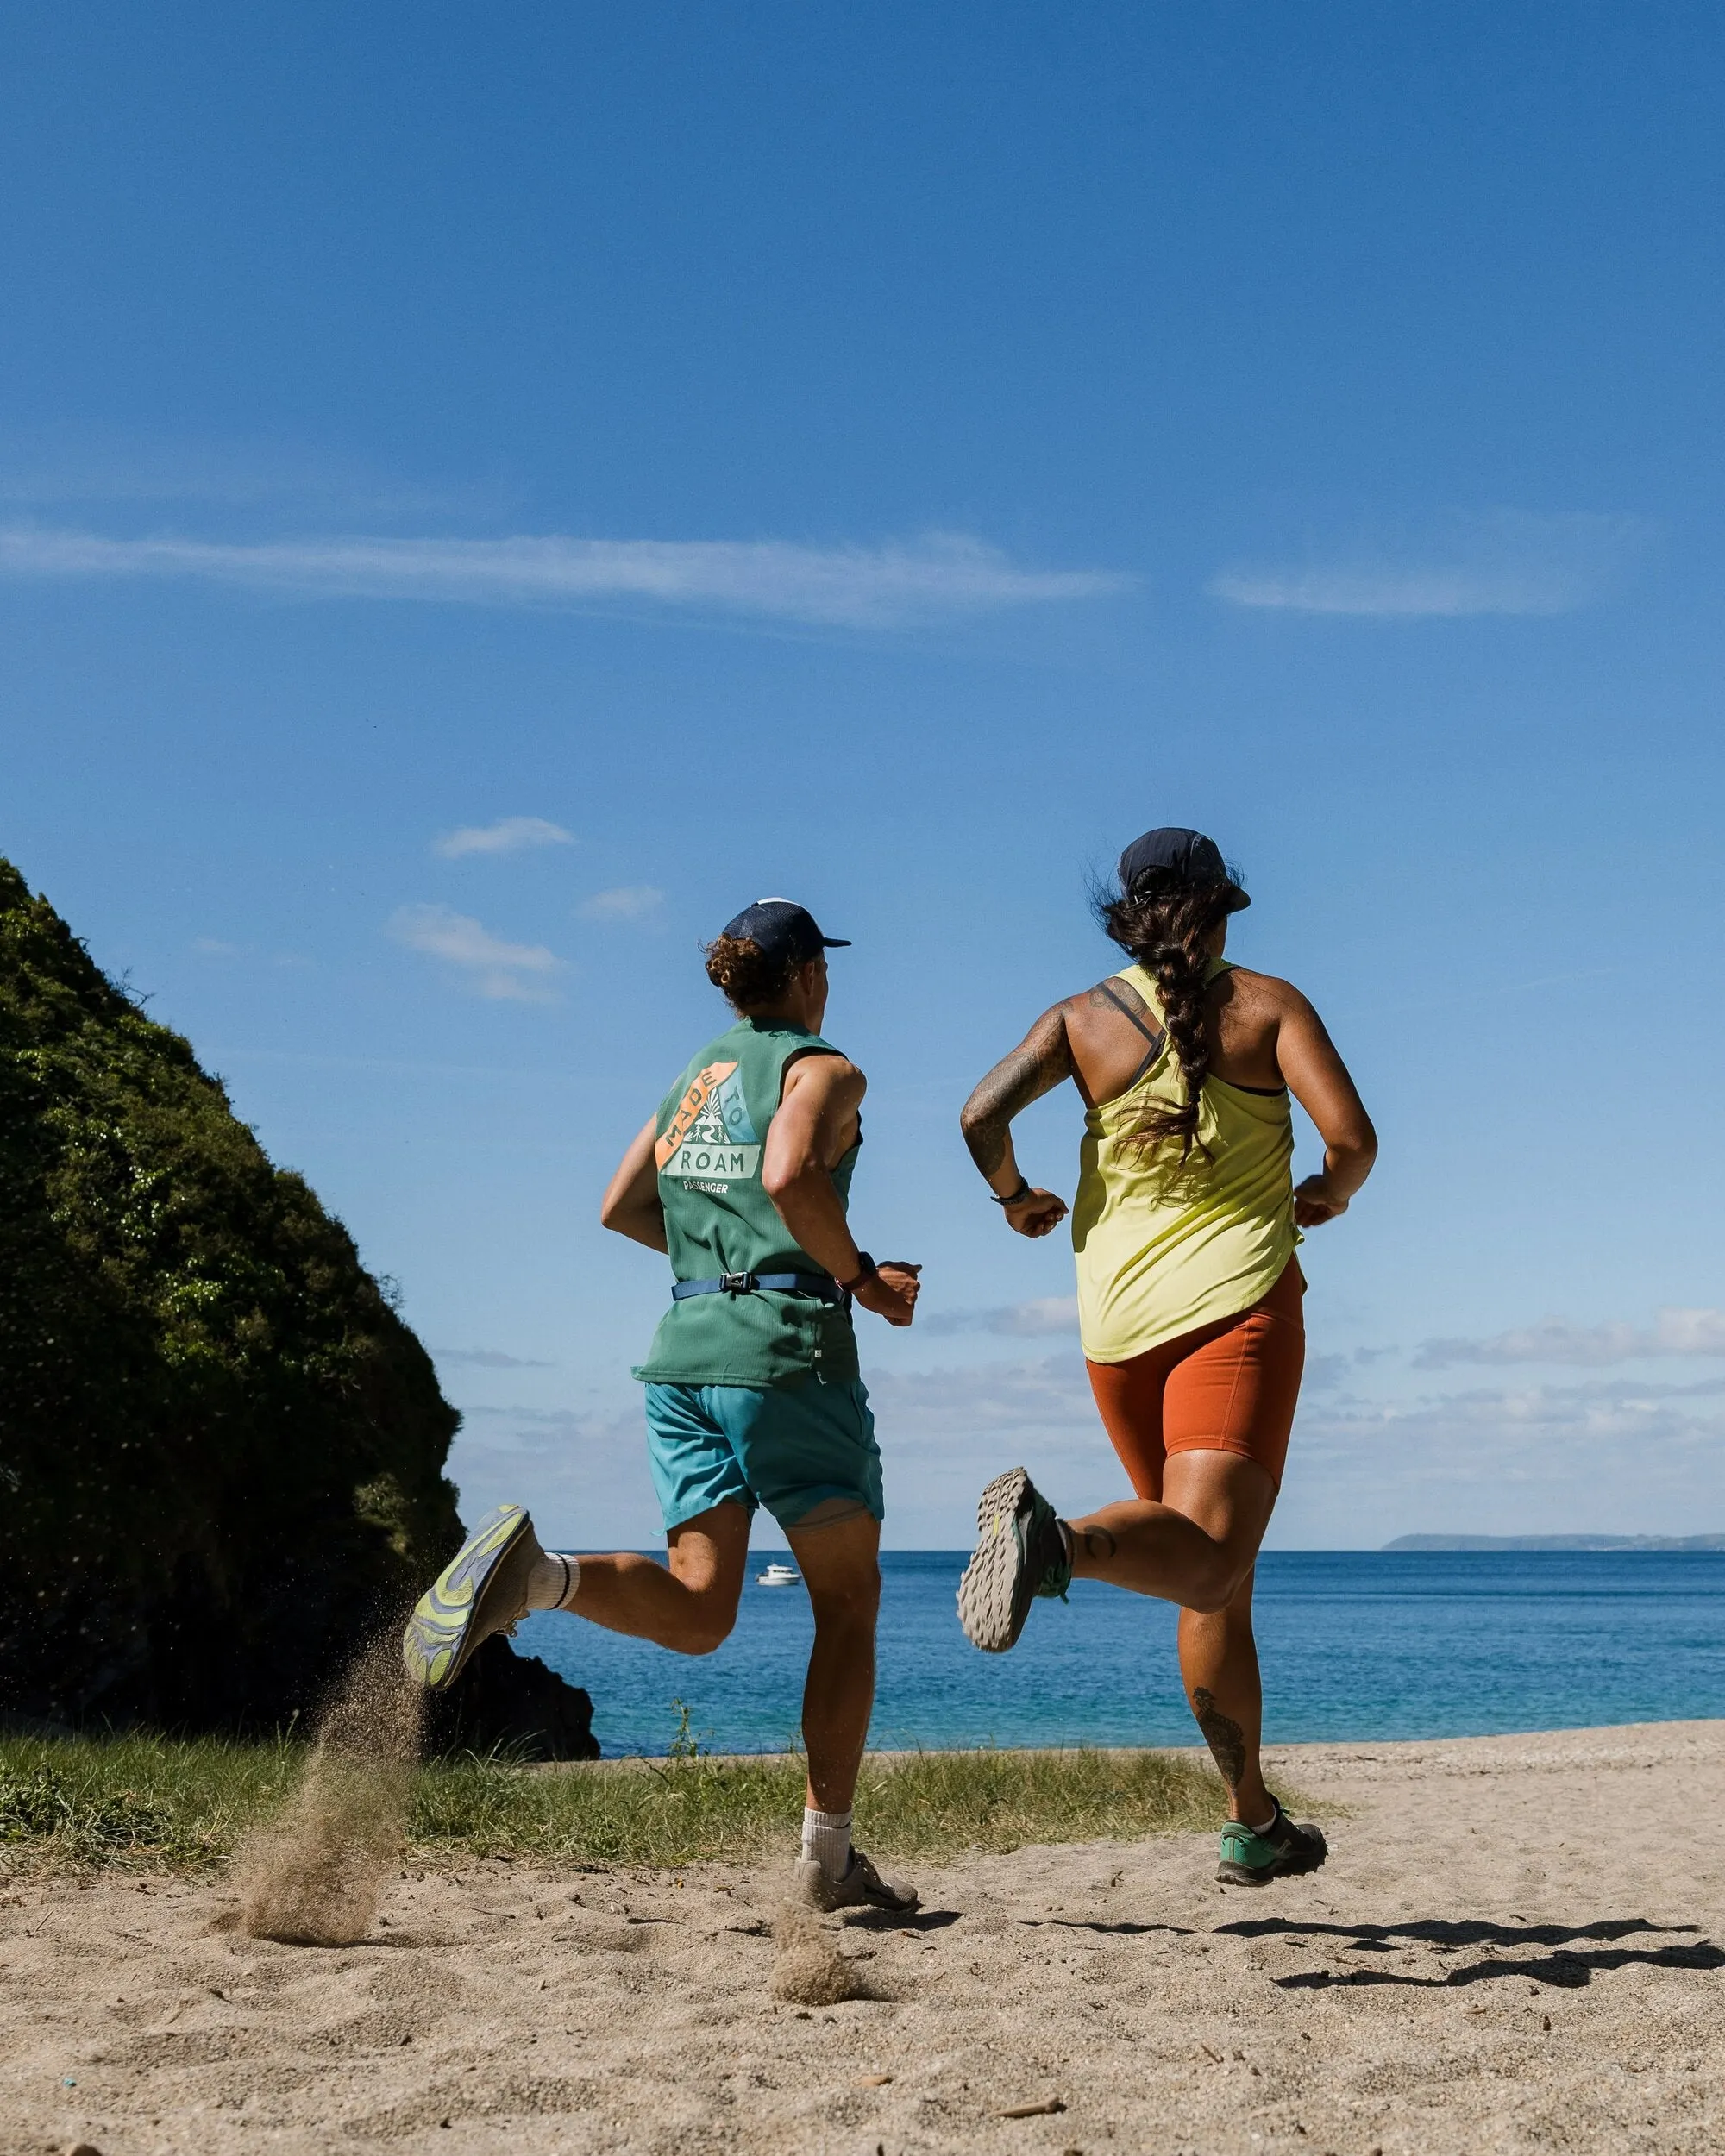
{"points": [[631, 1205], [1040, 1062], [1319, 1079]]}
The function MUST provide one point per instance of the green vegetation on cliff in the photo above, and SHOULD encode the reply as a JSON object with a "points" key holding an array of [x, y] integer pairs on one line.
{"points": [[220, 1451]]}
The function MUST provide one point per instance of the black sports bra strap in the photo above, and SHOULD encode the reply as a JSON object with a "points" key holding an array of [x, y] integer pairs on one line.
{"points": [[1127, 1012], [1134, 1020]]}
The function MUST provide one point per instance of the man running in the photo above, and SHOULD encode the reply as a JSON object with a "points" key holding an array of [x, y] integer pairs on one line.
{"points": [[1189, 1293], [753, 1392]]}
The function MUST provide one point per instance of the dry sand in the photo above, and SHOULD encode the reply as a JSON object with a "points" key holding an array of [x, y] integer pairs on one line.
{"points": [[317, 1876], [1512, 1946]]}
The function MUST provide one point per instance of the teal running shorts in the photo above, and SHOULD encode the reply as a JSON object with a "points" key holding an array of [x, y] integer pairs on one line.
{"points": [[788, 1447]]}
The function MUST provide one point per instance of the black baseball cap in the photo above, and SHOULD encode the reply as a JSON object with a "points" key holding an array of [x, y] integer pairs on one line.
{"points": [[778, 929], [1177, 852]]}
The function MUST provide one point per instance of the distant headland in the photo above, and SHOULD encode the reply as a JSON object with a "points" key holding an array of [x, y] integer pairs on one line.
{"points": [[1557, 1542]]}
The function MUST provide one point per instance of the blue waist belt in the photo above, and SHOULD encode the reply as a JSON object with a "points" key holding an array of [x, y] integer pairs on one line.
{"points": [[815, 1284]]}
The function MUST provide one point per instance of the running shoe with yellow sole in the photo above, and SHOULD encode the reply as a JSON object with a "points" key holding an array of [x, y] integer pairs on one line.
{"points": [[482, 1590]]}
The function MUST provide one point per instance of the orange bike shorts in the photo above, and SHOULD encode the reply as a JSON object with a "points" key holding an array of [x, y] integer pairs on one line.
{"points": [[1230, 1385]]}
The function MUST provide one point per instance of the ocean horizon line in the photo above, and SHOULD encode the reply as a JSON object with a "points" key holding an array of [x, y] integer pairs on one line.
{"points": [[1400, 1545]]}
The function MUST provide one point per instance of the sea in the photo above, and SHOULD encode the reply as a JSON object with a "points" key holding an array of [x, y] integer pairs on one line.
{"points": [[1355, 1646]]}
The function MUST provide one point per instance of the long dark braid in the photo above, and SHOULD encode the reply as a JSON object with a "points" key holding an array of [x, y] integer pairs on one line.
{"points": [[1165, 924]]}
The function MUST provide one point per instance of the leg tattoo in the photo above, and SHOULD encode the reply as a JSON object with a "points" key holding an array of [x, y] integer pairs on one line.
{"points": [[1099, 1544], [1225, 1737]]}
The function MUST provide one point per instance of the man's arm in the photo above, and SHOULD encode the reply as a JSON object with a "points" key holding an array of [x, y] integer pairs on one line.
{"points": [[1319, 1079], [1042, 1061], [806, 1139], [631, 1205]]}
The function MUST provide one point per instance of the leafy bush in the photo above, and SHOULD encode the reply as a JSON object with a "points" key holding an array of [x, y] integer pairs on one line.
{"points": [[221, 1450]]}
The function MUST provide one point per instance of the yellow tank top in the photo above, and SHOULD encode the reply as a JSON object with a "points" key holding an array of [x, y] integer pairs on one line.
{"points": [[1161, 1247]]}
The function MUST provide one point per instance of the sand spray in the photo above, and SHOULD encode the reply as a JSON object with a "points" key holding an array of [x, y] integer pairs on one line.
{"points": [[809, 1969], [314, 1876]]}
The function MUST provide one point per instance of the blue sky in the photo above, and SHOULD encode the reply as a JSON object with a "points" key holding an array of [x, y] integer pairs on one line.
{"points": [[892, 456]]}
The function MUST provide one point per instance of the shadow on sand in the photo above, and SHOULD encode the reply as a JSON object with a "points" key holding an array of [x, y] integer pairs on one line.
{"points": [[1568, 1964]]}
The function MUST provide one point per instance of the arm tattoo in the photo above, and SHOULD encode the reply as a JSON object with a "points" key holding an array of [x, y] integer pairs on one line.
{"points": [[1225, 1739], [1029, 1072]]}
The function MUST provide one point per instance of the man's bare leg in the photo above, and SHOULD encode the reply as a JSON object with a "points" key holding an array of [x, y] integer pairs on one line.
{"points": [[839, 1561], [691, 1607], [689, 1604], [840, 1565]]}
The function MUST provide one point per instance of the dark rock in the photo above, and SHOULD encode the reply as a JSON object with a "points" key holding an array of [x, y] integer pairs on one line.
{"points": [[513, 1702], [222, 1452]]}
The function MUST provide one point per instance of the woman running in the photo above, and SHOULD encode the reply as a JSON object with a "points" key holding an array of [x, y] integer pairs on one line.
{"points": [[1189, 1293]]}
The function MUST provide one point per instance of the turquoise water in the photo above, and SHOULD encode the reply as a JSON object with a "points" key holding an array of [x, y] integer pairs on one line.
{"points": [[1355, 1645]]}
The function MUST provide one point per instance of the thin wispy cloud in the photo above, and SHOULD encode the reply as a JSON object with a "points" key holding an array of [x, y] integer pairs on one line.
{"points": [[1602, 1451], [628, 902], [513, 835], [505, 972], [1504, 562], [1507, 1429], [490, 1359], [1673, 1332], [941, 575], [218, 947], [1041, 1318], [1051, 1397], [1325, 1373]]}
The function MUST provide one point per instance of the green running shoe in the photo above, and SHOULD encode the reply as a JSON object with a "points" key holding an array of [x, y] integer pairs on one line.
{"points": [[482, 1590], [1021, 1553], [1250, 1858]]}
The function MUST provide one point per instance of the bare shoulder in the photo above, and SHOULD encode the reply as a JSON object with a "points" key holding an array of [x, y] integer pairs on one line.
{"points": [[1111, 995], [1265, 995], [826, 1071], [1051, 1022]]}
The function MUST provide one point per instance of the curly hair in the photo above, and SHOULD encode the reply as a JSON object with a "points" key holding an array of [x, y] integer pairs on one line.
{"points": [[747, 974], [1165, 923]]}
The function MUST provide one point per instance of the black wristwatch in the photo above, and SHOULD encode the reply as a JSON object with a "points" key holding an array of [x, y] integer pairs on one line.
{"points": [[1024, 1190], [866, 1269]]}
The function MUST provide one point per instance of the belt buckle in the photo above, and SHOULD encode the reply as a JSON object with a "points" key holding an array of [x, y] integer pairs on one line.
{"points": [[736, 1283]]}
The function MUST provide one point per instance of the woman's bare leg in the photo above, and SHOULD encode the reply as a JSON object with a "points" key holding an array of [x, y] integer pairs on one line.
{"points": [[1198, 1548], [1193, 1548], [1219, 1667]]}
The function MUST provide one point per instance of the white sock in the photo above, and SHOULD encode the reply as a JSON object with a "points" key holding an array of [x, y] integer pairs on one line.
{"points": [[553, 1581], [826, 1840]]}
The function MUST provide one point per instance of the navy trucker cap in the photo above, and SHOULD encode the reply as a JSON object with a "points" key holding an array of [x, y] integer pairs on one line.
{"points": [[778, 929], [1177, 852]]}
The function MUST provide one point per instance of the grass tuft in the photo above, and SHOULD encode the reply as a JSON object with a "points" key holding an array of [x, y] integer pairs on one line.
{"points": [[151, 1803]]}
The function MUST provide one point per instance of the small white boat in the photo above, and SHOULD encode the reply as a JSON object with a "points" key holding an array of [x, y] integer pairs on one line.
{"points": [[777, 1575]]}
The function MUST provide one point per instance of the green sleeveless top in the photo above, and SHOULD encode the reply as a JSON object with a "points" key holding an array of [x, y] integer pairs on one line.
{"points": [[713, 1130]]}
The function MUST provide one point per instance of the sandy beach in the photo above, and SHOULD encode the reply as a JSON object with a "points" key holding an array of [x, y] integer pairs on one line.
{"points": [[1515, 1944]]}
